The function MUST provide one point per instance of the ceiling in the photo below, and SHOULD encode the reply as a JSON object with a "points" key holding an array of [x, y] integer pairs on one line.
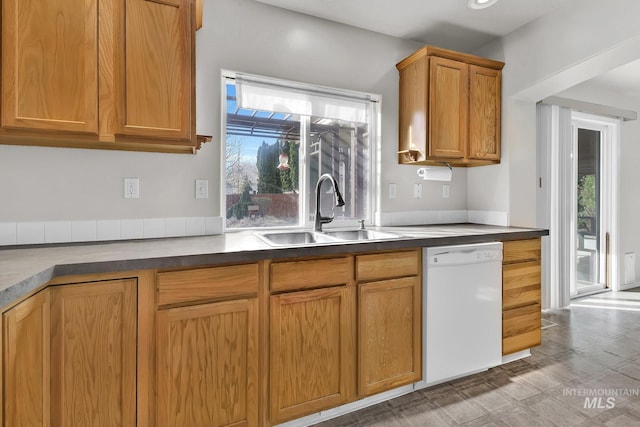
{"points": [[445, 23], [624, 80], [451, 24]]}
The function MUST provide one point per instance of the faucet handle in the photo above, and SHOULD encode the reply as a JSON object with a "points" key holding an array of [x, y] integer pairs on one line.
{"points": [[361, 221]]}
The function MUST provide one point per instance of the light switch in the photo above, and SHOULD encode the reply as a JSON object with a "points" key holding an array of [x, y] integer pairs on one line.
{"points": [[131, 188], [393, 191], [417, 191], [202, 189], [446, 191]]}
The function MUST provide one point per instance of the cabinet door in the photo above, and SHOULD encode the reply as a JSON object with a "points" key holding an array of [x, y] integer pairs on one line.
{"points": [[484, 113], [26, 362], [93, 353], [412, 119], [521, 328], [448, 108], [157, 70], [50, 65], [390, 331], [311, 356], [208, 365]]}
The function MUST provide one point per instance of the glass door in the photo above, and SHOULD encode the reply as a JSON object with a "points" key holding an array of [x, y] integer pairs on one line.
{"points": [[589, 254]]}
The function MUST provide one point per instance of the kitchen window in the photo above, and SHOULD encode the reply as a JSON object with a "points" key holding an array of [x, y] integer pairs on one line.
{"points": [[280, 137]]}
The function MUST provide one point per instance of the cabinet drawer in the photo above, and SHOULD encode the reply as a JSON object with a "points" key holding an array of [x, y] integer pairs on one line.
{"points": [[521, 250], [521, 328], [313, 273], [207, 283], [521, 284], [388, 265]]}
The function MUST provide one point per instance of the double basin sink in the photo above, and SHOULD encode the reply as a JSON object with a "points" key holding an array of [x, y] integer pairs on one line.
{"points": [[305, 237]]}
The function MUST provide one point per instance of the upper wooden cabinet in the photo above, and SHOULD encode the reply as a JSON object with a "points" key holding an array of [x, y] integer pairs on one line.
{"points": [[449, 108], [50, 65], [155, 87], [99, 74]]}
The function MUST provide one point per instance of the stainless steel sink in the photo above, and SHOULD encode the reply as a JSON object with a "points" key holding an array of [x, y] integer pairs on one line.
{"points": [[293, 238], [360, 235]]}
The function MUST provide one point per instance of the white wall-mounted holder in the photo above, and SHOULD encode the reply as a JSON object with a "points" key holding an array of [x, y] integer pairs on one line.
{"points": [[436, 173]]}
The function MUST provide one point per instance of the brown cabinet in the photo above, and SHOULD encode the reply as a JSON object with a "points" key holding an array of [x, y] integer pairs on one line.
{"points": [[312, 339], [155, 87], [389, 321], [246, 344], [99, 74], [521, 295], [207, 347], [93, 353], [207, 365], [50, 65], [26, 366], [70, 356], [449, 108], [312, 347]]}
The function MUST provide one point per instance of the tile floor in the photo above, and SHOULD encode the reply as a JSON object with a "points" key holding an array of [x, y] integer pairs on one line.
{"points": [[591, 347]]}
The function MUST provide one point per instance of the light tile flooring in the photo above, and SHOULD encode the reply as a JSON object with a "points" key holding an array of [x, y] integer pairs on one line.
{"points": [[594, 347]]}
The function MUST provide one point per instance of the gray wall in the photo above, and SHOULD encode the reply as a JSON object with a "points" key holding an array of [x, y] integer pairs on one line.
{"points": [[251, 37], [46, 184], [572, 45], [546, 57]]}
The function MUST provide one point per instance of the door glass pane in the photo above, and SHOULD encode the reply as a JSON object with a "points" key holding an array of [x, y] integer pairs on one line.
{"points": [[588, 271]]}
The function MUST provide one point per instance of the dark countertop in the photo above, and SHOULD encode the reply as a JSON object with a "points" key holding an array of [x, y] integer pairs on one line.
{"points": [[26, 269]]}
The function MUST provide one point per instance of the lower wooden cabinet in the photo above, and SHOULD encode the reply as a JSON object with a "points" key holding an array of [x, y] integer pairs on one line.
{"points": [[207, 365], [389, 334], [311, 351], [521, 295], [93, 353], [521, 328], [70, 356], [26, 362], [237, 345]]}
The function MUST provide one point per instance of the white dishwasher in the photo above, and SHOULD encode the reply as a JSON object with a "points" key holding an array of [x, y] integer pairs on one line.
{"points": [[462, 310]]}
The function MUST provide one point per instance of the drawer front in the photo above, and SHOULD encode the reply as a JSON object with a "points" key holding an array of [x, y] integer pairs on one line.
{"points": [[521, 328], [388, 265], [521, 250], [521, 342], [521, 284], [207, 283], [308, 274]]}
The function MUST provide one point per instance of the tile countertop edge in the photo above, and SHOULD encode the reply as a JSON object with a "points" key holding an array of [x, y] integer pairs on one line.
{"points": [[13, 292]]}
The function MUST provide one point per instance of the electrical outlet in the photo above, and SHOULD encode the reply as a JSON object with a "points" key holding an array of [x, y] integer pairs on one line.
{"points": [[202, 189], [417, 191], [393, 191], [446, 191], [131, 188]]}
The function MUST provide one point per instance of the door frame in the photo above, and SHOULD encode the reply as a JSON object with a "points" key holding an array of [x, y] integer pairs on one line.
{"points": [[554, 151], [609, 168]]}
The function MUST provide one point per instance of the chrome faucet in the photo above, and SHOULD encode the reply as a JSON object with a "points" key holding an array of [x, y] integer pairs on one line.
{"points": [[339, 201]]}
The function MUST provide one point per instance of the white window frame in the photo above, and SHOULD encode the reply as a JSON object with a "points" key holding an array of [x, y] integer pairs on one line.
{"points": [[373, 176]]}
